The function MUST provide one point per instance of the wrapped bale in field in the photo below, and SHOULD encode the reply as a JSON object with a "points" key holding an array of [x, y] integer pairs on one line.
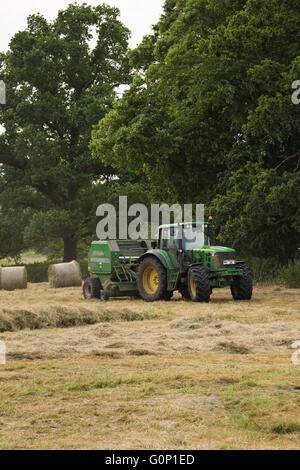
{"points": [[13, 278], [65, 275]]}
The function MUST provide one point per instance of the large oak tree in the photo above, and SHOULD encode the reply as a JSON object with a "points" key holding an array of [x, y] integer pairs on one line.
{"points": [[61, 78]]}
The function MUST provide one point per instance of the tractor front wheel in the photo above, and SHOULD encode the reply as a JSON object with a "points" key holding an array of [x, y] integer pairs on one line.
{"points": [[199, 287], [242, 286], [152, 280]]}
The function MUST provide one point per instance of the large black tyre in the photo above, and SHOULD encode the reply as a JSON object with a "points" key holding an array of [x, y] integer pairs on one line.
{"points": [[185, 293], [199, 287], [152, 280], [168, 295], [91, 288], [242, 287], [104, 295]]}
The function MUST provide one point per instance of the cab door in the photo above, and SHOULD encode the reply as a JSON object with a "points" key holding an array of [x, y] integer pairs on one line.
{"points": [[170, 243]]}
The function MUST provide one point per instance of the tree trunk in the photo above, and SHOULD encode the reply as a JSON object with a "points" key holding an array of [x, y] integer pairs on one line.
{"points": [[70, 250]]}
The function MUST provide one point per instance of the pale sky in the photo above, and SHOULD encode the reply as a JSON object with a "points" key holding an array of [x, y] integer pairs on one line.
{"points": [[137, 15]]}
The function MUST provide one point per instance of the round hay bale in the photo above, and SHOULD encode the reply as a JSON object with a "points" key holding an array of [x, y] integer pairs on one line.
{"points": [[65, 275], [14, 277]]}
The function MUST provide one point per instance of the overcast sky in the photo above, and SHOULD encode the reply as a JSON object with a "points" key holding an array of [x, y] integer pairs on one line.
{"points": [[137, 15]]}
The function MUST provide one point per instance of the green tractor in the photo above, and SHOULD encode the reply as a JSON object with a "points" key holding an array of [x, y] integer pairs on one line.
{"points": [[181, 260]]}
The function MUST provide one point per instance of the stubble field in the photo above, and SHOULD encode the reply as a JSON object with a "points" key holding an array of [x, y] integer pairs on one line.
{"points": [[132, 375]]}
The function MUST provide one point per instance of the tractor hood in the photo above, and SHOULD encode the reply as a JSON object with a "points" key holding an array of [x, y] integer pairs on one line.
{"points": [[215, 249], [214, 257]]}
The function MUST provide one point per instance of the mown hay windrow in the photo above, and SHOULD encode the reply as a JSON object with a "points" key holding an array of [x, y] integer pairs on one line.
{"points": [[12, 278], [65, 275], [63, 317]]}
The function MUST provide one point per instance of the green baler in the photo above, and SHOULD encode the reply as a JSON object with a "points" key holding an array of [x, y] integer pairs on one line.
{"points": [[182, 260]]}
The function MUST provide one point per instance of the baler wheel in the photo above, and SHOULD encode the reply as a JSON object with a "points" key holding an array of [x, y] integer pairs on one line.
{"points": [[104, 295], [91, 288]]}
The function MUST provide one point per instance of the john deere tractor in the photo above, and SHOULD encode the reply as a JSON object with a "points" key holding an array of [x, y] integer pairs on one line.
{"points": [[181, 260]]}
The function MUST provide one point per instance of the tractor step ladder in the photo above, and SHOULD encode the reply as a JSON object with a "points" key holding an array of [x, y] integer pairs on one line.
{"points": [[173, 278]]}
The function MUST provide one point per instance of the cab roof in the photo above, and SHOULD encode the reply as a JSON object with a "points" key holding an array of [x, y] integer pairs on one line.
{"points": [[182, 224]]}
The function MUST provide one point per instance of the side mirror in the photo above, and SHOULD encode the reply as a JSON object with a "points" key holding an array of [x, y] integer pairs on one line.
{"points": [[154, 245]]}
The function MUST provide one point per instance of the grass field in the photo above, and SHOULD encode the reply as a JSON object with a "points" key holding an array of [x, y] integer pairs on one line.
{"points": [[132, 375], [27, 258]]}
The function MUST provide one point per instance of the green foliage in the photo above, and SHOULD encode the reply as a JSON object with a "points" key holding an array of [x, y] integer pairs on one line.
{"points": [[55, 250], [291, 275], [84, 268], [209, 118], [12, 232], [37, 272], [261, 209], [167, 125], [264, 269], [59, 83]]}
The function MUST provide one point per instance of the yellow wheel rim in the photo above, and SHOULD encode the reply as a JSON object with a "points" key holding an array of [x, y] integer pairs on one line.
{"points": [[150, 280], [193, 285]]}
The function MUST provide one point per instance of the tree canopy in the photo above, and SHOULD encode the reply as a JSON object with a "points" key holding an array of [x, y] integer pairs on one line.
{"points": [[209, 117], [61, 77]]}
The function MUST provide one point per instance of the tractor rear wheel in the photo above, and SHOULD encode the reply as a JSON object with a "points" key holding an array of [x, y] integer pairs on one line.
{"points": [[91, 288], [152, 280], [242, 286], [199, 287]]}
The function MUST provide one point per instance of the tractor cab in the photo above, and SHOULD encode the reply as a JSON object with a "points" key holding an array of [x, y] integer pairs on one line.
{"points": [[186, 236], [182, 240]]}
